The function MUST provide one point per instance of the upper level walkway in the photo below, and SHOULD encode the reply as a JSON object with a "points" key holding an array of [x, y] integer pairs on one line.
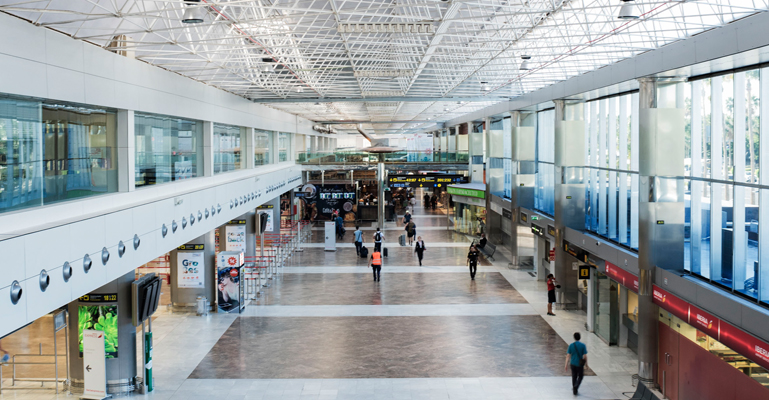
{"points": [[405, 160]]}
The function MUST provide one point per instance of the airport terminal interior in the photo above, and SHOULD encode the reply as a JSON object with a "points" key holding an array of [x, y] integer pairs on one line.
{"points": [[384, 199]]}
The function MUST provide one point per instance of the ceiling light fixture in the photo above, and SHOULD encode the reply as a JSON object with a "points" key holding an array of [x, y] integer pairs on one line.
{"points": [[485, 87], [417, 27], [628, 10], [193, 14], [300, 90], [525, 63]]}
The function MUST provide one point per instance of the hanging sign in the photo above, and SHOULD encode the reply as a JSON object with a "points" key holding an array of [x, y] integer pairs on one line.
{"points": [[584, 272], [189, 270], [538, 230], [94, 367], [551, 230], [99, 298]]}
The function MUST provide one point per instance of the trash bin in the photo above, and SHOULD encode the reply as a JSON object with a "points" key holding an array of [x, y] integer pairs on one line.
{"points": [[203, 305]]}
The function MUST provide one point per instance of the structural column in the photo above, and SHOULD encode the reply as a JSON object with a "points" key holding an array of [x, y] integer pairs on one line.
{"points": [[208, 149], [126, 151], [381, 193], [193, 268], [569, 188], [661, 201], [112, 303], [247, 149], [523, 170]]}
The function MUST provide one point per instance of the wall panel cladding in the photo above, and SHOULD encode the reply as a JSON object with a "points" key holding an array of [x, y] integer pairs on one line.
{"points": [[24, 257]]}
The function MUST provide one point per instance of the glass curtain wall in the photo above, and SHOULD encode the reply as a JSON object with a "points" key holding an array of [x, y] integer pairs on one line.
{"points": [[51, 152], [167, 149], [496, 172], [544, 175], [284, 146], [227, 147], [263, 145], [612, 168], [726, 182], [507, 166]]}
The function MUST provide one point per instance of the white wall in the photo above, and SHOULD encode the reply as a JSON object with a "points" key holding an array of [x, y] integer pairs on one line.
{"points": [[69, 231], [39, 62]]}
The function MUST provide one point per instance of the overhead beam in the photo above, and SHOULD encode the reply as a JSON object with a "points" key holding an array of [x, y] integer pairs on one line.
{"points": [[380, 99], [352, 121]]}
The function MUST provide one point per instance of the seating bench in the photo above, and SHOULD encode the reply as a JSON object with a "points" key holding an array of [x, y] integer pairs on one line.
{"points": [[488, 251]]}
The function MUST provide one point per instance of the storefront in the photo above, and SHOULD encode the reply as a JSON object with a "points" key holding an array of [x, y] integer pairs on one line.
{"points": [[703, 357], [469, 214]]}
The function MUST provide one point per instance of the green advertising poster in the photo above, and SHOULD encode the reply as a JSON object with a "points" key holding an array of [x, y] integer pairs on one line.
{"points": [[101, 318], [466, 192]]}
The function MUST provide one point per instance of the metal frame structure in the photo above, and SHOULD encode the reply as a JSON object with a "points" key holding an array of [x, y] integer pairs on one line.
{"points": [[381, 53]]}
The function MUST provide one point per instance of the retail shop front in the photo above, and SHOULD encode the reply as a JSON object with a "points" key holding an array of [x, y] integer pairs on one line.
{"points": [[470, 213], [703, 357]]}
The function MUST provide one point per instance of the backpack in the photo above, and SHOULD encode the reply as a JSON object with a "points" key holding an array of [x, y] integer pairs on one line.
{"points": [[377, 237]]}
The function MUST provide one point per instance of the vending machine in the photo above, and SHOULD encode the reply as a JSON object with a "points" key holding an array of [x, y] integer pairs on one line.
{"points": [[230, 286]]}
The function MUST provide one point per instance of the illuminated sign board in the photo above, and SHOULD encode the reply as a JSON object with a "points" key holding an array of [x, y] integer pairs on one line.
{"points": [[622, 276], [735, 338], [538, 230], [432, 180]]}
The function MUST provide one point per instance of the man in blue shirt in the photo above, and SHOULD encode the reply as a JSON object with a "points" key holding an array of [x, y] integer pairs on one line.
{"points": [[577, 357], [359, 240]]}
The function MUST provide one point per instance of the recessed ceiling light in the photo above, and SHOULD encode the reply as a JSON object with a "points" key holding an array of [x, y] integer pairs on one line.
{"points": [[525, 63]]}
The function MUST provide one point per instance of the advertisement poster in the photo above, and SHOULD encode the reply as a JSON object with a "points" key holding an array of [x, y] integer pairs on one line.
{"points": [[101, 318], [189, 269], [320, 201], [235, 239], [230, 292]]}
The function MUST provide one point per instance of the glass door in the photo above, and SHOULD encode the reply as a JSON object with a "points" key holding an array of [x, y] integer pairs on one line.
{"points": [[606, 309]]}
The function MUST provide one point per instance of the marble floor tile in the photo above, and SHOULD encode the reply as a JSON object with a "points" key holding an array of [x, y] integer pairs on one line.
{"points": [[385, 347], [401, 288]]}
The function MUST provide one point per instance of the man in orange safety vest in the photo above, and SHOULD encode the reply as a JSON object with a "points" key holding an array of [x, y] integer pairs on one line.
{"points": [[376, 263]]}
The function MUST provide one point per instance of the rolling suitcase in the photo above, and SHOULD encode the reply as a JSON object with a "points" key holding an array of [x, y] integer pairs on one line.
{"points": [[364, 252], [402, 240], [384, 251]]}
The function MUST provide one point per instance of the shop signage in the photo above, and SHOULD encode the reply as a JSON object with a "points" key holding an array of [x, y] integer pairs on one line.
{"points": [[584, 272], [671, 303], [507, 214], [430, 180], [552, 255], [235, 237], [538, 230], [704, 321], [99, 298], [551, 230], [523, 217], [190, 247], [622, 276], [320, 201], [466, 192], [735, 338]]}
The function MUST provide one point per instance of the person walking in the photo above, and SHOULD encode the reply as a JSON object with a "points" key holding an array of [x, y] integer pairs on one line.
{"points": [[419, 248], [358, 240], [426, 200], [577, 357], [407, 217], [340, 227], [552, 285], [375, 262], [378, 237], [473, 260], [433, 201], [410, 229]]}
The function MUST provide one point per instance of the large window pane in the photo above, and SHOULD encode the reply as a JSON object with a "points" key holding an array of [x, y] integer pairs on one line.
{"points": [[227, 147], [284, 146], [263, 145], [52, 152], [167, 149], [544, 175]]}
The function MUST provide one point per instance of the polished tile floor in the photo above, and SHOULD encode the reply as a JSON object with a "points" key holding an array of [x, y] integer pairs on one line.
{"points": [[325, 331]]}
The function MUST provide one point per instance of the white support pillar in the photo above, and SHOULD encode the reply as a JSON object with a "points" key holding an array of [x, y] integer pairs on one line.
{"points": [[208, 148], [247, 150], [126, 151]]}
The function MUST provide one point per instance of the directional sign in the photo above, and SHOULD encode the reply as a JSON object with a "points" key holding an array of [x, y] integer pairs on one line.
{"points": [[94, 370]]}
